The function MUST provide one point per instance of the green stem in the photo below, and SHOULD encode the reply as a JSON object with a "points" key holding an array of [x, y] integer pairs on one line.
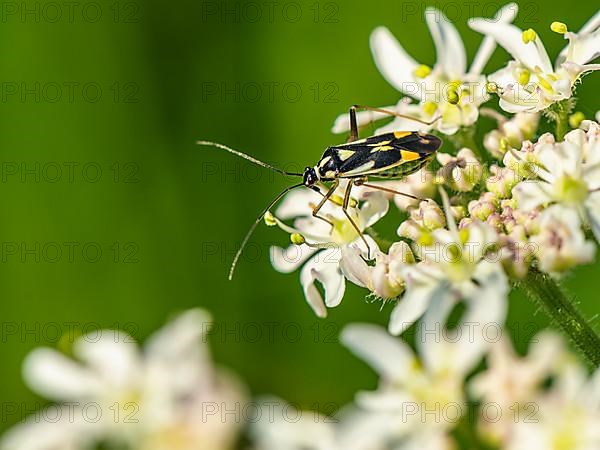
{"points": [[562, 311], [562, 124]]}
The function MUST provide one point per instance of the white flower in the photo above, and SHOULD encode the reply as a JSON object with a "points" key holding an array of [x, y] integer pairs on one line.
{"points": [[454, 265], [537, 415], [511, 133], [462, 172], [561, 244], [565, 418], [418, 397], [114, 393], [447, 90], [283, 427], [384, 278], [530, 82], [321, 253], [569, 174], [511, 382]]}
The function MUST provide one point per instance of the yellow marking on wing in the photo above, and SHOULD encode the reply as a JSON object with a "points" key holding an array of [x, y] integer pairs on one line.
{"points": [[401, 134], [382, 148], [377, 144], [345, 154], [409, 156]]}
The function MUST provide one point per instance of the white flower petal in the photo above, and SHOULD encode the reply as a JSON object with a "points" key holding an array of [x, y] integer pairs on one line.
{"points": [[324, 268], [531, 194], [354, 267], [388, 356], [291, 258], [373, 209], [114, 357], [592, 206], [506, 14], [511, 38], [420, 292], [393, 62], [342, 122], [57, 377], [296, 203], [450, 50], [181, 337]]}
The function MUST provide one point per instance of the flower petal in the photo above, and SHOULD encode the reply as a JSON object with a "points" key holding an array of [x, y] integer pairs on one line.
{"points": [[506, 14], [342, 122], [450, 50], [393, 62], [324, 268], [114, 357], [510, 37], [354, 267], [291, 258], [57, 377], [388, 356], [592, 206], [531, 194], [421, 290]]}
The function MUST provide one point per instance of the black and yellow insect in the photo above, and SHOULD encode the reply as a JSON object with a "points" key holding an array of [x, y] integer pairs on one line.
{"points": [[388, 156]]}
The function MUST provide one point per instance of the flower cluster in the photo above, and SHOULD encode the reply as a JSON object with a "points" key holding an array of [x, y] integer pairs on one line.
{"points": [[545, 400], [168, 396], [480, 215]]}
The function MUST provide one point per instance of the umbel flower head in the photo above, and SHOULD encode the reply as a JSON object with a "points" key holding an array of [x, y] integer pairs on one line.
{"points": [[115, 393], [530, 82], [448, 89]]}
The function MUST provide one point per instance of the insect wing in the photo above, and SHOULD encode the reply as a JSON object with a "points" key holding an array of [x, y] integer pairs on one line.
{"points": [[378, 153]]}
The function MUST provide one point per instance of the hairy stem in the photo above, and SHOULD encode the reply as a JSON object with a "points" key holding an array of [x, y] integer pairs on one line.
{"points": [[544, 291]]}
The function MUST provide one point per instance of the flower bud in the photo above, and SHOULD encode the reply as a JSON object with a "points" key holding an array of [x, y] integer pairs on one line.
{"points": [[559, 27], [269, 219], [422, 71], [297, 239], [528, 36]]}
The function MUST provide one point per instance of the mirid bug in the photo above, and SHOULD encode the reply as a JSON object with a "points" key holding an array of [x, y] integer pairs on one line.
{"points": [[389, 156]]}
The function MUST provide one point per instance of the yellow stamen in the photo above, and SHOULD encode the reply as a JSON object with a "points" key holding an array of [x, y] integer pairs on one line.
{"points": [[545, 84], [269, 219], [453, 97], [529, 35], [559, 27], [429, 108], [422, 71], [297, 239], [576, 118], [524, 77], [491, 87]]}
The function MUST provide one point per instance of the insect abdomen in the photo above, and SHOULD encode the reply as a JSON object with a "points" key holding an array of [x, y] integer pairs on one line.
{"points": [[402, 170]]}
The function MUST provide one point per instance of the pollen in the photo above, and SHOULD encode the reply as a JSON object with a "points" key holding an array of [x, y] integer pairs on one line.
{"points": [[269, 219], [559, 27], [297, 239], [453, 96], [491, 87], [429, 108], [576, 118], [529, 35], [524, 77], [422, 71]]}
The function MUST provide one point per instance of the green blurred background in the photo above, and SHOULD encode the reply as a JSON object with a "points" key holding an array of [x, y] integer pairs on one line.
{"points": [[111, 216]]}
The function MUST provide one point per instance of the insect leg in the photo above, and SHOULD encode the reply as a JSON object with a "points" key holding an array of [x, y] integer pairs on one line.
{"points": [[381, 188], [353, 125], [393, 113], [345, 209], [326, 197]]}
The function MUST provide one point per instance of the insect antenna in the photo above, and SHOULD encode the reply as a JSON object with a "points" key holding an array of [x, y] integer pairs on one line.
{"points": [[254, 225], [249, 158]]}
